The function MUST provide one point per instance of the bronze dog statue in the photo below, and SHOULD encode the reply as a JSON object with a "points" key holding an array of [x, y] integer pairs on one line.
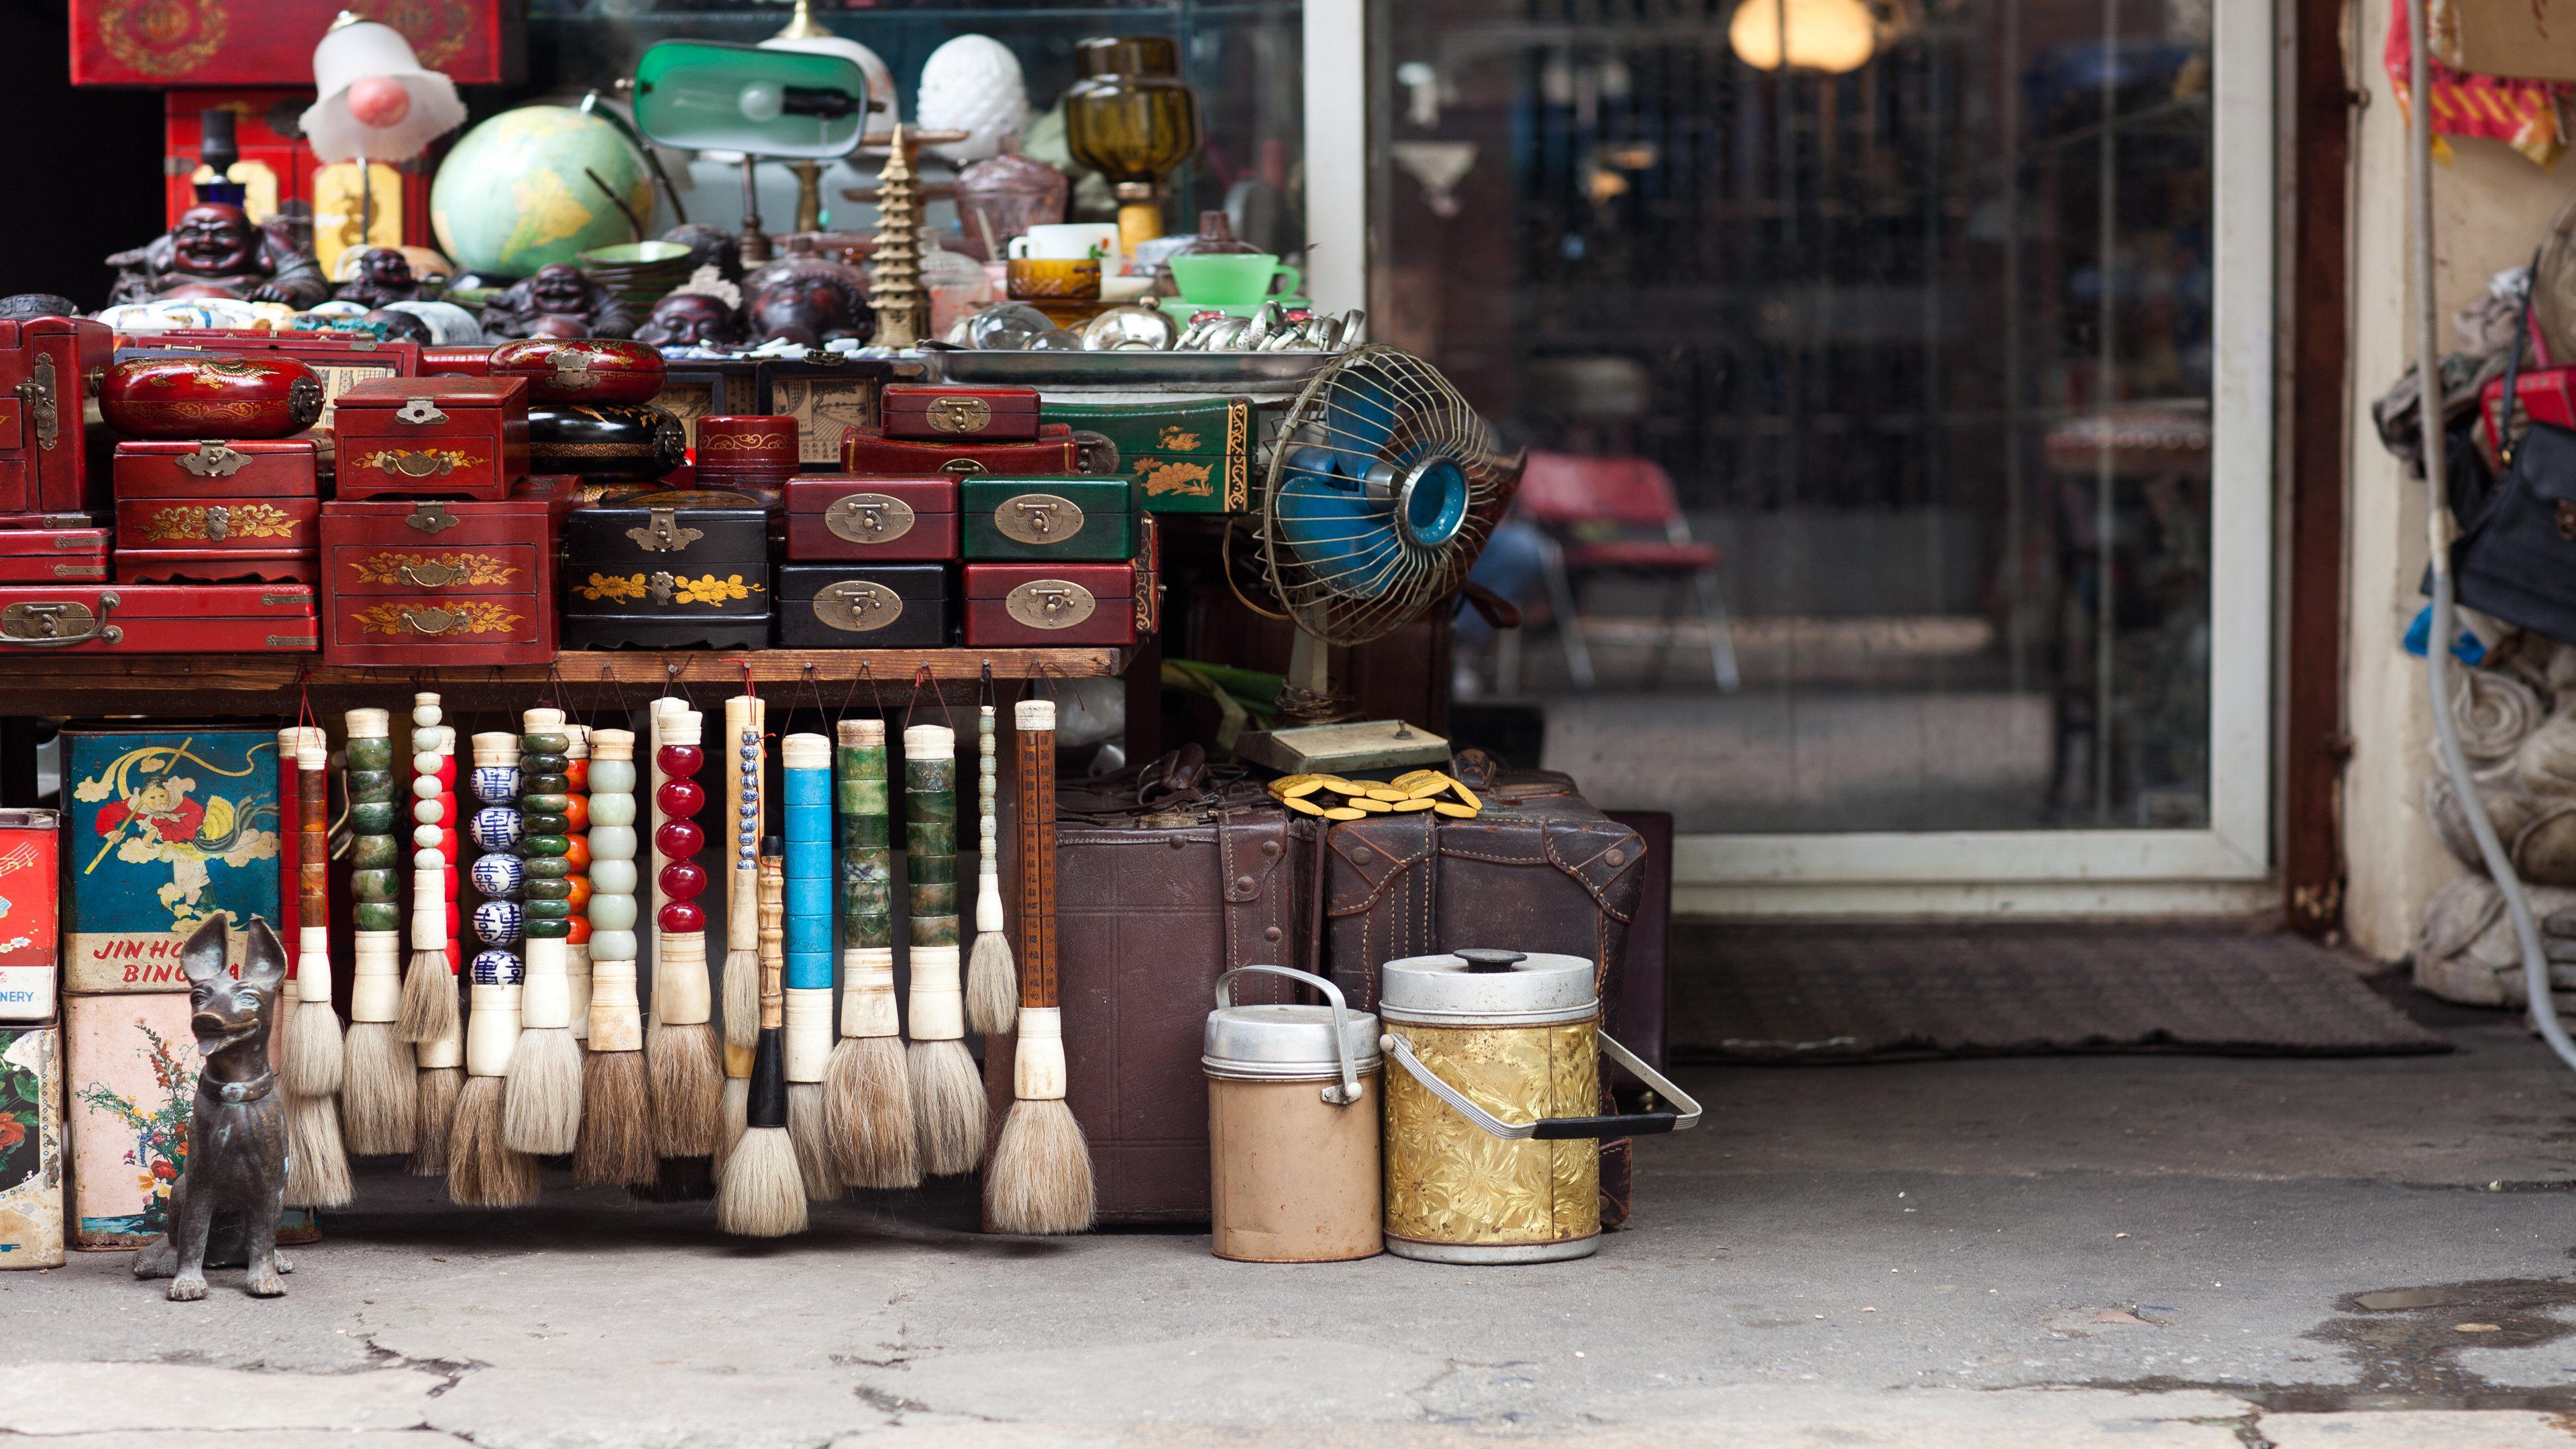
{"points": [[235, 1180]]}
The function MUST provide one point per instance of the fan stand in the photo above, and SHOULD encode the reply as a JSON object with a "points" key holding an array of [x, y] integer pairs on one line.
{"points": [[1334, 746]]}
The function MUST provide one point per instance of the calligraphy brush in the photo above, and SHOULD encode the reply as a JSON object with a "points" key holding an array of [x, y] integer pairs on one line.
{"points": [[317, 1163], [760, 1191], [867, 1090], [616, 1141], [381, 1094], [541, 1107], [806, 810], [483, 1170], [434, 929], [1041, 1178], [746, 718], [687, 1086], [992, 992], [429, 983], [947, 1094]]}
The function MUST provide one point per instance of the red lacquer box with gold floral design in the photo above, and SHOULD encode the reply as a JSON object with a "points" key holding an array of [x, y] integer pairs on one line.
{"points": [[165, 395], [212, 468], [215, 540], [414, 582], [432, 437]]}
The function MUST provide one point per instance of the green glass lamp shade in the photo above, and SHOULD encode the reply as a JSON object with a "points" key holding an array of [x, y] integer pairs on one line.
{"points": [[706, 96]]}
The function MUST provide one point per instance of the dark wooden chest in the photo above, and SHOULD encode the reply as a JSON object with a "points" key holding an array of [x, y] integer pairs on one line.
{"points": [[938, 413], [668, 570], [1048, 518], [865, 606], [1013, 605], [877, 520]]}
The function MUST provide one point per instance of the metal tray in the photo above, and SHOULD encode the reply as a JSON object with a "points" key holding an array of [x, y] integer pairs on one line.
{"points": [[1131, 369]]}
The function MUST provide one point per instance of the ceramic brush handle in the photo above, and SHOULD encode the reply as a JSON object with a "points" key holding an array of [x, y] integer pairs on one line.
{"points": [[680, 993], [545, 847], [615, 1023], [806, 804], [375, 877], [988, 868], [866, 881]]}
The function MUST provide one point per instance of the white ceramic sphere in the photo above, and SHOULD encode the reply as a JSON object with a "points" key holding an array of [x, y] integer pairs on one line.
{"points": [[972, 84], [424, 787], [425, 714]]}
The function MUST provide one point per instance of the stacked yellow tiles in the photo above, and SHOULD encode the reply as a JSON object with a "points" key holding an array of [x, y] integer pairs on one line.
{"points": [[1418, 790]]}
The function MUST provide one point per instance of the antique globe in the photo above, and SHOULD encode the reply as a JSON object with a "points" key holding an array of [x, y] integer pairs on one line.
{"points": [[516, 193]]}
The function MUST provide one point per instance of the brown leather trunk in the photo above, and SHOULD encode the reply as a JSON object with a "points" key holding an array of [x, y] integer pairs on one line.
{"points": [[1151, 907], [1541, 870]]}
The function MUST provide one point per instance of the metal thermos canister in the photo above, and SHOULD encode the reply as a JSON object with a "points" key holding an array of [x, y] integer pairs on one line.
{"points": [[1292, 1127], [1493, 1150]]}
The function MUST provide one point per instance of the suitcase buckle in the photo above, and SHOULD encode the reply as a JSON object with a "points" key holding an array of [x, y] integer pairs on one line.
{"points": [[213, 460], [869, 518], [419, 410], [1049, 603], [662, 532], [960, 414], [53, 624]]}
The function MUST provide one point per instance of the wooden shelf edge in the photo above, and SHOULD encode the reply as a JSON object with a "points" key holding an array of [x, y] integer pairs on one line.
{"points": [[39, 684]]}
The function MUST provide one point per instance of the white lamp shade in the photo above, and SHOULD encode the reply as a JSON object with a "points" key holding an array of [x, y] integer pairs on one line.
{"points": [[880, 79], [355, 52]]}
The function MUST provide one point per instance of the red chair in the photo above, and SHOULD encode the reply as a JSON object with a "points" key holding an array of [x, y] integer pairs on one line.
{"points": [[1621, 516]]}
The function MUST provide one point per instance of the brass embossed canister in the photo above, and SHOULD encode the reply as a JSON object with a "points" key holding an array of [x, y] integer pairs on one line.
{"points": [[1492, 1143], [1292, 1127]]}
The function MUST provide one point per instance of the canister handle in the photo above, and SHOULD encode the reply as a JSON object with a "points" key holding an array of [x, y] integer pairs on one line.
{"points": [[1344, 1092], [1624, 1124]]}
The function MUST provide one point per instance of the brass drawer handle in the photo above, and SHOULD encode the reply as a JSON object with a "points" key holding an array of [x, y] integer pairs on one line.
{"points": [[430, 575], [419, 465], [431, 621]]}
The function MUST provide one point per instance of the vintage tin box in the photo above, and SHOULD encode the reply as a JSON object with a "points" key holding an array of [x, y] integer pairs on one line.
{"points": [[667, 570], [131, 1065], [425, 582], [217, 539], [168, 828], [53, 555], [31, 1146], [864, 606], [1018, 605], [74, 618], [171, 396], [447, 437], [940, 413], [212, 468], [1192, 456], [1048, 518], [874, 520], [46, 367], [868, 452], [30, 882]]}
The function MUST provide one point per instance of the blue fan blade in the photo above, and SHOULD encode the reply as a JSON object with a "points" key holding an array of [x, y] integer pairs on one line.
{"points": [[1341, 537], [1362, 415]]}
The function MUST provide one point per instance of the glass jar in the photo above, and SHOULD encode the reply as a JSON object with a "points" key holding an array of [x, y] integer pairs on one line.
{"points": [[1001, 197], [1130, 117]]}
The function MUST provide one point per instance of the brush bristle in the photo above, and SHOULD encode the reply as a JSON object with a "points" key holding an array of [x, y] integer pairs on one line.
{"points": [[428, 999], [317, 1165], [315, 1064], [615, 1147], [439, 1087], [381, 1098], [742, 999], [992, 985], [807, 1128], [758, 1191], [1040, 1178], [867, 1113], [482, 1171], [737, 1108], [541, 1105], [947, 1106], [688, 1089]]}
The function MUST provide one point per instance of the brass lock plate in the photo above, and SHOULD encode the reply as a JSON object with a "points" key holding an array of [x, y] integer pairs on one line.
{"points": [[58, 621], [1038, 519], [967, 414], [572, 368], [868, 518], [432, 518], [856, 606], [40, 394], [419, 410], [213, 460], [662, 532], [1049, 604]]}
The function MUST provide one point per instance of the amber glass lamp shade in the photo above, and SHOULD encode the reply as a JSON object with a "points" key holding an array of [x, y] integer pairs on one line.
{"points": [[1130, 117]]}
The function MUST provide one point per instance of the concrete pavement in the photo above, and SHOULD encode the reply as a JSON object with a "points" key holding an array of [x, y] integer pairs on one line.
{"points": [[2129, 1250]]}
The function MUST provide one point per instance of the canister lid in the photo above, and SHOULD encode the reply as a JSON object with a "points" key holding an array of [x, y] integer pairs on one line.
{"points": [[1292, 1042], [1485, 985]]}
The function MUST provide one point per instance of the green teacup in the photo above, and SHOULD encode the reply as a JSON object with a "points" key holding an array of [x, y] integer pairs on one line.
{"points": [[1232, 280]]}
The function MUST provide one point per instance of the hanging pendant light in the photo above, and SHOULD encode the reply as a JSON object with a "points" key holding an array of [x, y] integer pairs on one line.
{"points": [[1827, 35]]}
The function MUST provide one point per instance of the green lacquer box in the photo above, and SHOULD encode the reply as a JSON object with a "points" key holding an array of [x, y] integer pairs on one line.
{"points": [[1049, 518], [1185, 457]]}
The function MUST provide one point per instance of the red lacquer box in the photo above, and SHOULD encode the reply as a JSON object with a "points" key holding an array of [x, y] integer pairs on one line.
{"points": [[422, 437], [262, 395], [583, 369], [216, 539], [430, 582], [53, 555], [832, 516], [272, 468], [1017, 605], [214, 43], [869, 451], [46, 364], [759, 445], [341, 362], [456, 361], [942, 414], [157, 619]]}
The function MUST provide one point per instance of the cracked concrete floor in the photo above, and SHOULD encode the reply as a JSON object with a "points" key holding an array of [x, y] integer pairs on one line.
{"points": [[2143, 1251]]}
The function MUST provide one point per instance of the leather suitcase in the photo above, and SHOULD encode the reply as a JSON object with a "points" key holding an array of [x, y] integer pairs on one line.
{"points": [[872, 520], [1542, 869], [1152, 906], [1637, 1017], [158, 619]]}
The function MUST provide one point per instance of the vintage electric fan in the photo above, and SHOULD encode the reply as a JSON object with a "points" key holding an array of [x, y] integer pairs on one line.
{"points": [[1383, 487]]}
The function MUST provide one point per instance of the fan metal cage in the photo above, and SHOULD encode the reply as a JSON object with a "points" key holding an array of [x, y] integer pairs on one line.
{"points": [[1382, 489]]}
